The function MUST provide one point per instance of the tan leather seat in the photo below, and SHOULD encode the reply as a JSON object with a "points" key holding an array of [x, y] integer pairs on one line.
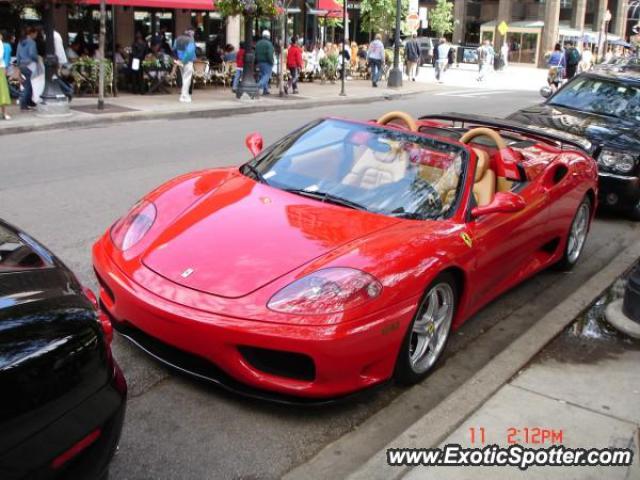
{"points": [[374, 169], [484, 188]]}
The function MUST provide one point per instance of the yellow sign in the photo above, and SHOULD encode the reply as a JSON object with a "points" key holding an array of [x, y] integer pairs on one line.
{"points": [[503, 28], [466, 238]]}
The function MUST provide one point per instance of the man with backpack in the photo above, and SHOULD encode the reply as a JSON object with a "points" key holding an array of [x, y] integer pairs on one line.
{"points": [[185, 48], [486, 56], [572, 59]]}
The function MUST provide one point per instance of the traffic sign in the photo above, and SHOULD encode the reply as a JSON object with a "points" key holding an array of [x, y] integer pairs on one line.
{"points": [[503, 28], [413, 22]]}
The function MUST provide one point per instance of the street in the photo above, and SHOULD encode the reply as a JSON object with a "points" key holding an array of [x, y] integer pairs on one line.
{"points": [[66, 187]]}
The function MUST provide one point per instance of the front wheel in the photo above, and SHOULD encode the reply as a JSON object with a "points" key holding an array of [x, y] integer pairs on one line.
{"points": [[577, 236], [428, 333]]}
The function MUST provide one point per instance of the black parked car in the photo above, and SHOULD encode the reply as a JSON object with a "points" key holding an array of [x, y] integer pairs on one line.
{"points": [[603, 107], [62, 396]]}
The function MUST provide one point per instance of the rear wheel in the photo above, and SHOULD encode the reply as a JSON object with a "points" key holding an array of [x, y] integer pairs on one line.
{"points": [[577, 236], [428, 333]]}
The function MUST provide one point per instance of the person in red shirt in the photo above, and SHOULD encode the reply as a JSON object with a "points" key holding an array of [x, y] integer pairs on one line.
{"points": [[294, 64], [239, 67]]}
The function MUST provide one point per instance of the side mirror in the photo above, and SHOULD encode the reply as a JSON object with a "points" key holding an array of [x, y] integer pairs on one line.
{"points": [[503, 202], [254, 143], [546, 92]]}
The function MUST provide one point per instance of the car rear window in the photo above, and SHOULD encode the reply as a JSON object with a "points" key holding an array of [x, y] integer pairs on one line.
{"points": [[18, 251]]}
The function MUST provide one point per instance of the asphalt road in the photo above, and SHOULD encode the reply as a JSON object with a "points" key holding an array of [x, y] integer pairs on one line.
{"points": [[67, 187]]}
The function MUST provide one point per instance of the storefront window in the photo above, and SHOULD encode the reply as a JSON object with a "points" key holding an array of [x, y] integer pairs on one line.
{"points": [[487, 35], [149, 22], [522, 47]]}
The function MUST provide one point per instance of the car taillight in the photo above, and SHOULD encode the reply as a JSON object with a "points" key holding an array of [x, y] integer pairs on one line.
{"points": [[330, 290], [130, 229], [75, 450], [103, 318]]}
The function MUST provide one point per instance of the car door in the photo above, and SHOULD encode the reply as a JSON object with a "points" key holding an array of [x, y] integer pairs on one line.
{"points": [[506, 245]]}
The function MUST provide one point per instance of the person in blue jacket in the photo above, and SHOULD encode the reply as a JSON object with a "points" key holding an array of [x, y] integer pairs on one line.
{"points": [[185, 48]]}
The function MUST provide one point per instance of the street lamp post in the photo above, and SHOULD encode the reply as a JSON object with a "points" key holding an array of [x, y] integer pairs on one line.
{"points": [[248, 83], [395, 75], [53, 100], [345, 38]]}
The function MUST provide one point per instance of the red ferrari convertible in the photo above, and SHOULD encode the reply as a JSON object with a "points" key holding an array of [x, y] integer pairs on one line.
{"points": [[344, 254]]}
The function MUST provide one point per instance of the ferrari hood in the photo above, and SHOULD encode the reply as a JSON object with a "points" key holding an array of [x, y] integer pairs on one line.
{"points": [[246, 234]]}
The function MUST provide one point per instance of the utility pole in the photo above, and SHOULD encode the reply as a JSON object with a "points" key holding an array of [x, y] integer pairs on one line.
{"points": [[101, 47], [395, 75], [345, 41]]}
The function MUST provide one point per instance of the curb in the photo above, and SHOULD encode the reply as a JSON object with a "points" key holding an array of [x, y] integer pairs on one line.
{"points": [[433, 427], [108, 119]]}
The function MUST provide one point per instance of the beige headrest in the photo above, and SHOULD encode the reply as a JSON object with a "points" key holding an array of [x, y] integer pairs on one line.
{"points": [[483, 163]]}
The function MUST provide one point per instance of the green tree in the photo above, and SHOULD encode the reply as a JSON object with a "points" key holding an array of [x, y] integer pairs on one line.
{"points": [[265, 8], [441, 18], [379, 16]]}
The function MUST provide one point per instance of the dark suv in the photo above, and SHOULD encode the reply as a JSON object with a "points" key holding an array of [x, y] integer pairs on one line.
{"points": [[603, 107]]}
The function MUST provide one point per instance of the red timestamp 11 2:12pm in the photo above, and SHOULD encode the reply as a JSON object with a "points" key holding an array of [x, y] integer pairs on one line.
{"points": [[522, 436]]}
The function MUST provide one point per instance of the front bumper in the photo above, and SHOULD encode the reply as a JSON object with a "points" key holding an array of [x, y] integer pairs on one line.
{"points": [[346, 357], [618, 191], [105, 410]]}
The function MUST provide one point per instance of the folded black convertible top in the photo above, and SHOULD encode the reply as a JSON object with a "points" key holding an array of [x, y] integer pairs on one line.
{"points": [[563, 138]]}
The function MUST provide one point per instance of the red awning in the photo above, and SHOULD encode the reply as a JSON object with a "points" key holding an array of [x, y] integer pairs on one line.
{"points": [[166, 4], [331, 6]]}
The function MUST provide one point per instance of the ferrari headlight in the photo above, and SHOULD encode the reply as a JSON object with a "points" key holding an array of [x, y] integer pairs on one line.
{"points": [[130, 229], [617, 161], [329, 290]]}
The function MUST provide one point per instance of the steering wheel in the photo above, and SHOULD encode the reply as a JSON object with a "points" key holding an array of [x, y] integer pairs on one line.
{"points": [[407, 119]]}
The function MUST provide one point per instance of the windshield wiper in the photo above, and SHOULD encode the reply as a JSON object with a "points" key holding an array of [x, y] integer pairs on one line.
{"points": [[255, 172], [327, 197]]}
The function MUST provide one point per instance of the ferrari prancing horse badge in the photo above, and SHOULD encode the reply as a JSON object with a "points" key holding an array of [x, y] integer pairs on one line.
{"points": [[466, 238]]}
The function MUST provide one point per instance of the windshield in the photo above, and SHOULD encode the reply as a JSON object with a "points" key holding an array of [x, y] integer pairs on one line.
{"points": [[600, 96], [366, 167]]}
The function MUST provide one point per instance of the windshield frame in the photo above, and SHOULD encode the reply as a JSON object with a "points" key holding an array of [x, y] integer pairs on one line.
{"points": [[454, 210]]}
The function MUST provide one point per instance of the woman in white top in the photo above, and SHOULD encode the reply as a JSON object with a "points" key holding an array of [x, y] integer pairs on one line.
{"points": [[5, 98]]}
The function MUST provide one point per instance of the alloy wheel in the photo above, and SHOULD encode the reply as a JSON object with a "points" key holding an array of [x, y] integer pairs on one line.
{"points": [[578, 233], [430, 331]]}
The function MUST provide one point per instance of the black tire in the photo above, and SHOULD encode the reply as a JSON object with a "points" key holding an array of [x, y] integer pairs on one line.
{"points": [[404, 373], [634, 214], [567, 262]]}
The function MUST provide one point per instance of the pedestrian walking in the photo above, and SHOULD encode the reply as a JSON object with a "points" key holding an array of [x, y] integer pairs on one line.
{"points": [[556, 64], [185, 48], [294, 64], [441, 56], [264, 58], [239, 67], [572, 59], [5, 97], [375, 57], [586, 59], [486, 56], [504, 53], [412, 55], [27, 59]]}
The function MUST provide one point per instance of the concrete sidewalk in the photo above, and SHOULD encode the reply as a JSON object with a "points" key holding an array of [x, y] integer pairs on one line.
{"points": [[207, 102], [514, 77], [219, 102], [585, 383], [592, 396]]}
